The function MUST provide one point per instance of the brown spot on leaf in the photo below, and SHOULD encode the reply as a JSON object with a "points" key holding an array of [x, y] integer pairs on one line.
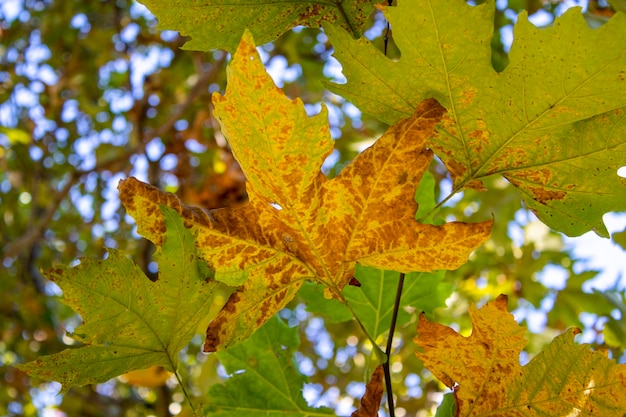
{"points": [[213, 332], [544, 196]]}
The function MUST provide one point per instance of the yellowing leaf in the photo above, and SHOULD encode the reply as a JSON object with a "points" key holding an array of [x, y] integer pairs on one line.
{"points": [[220, 24], [152, 377], [565, 379], [130, 322], [370, 403], [552, 122], [298, 225]]}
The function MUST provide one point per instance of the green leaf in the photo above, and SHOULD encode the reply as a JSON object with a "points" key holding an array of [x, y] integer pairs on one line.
{"points": [[572, 301], [615, 330], [130, 322], [620, 238], [332, 309], [220, 24], [552, 122], [373, 301], [265, 380], [425, 196], [446, 408]]}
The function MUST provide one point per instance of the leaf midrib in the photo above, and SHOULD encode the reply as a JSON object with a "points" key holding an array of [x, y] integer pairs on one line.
{"points": [[526, 127]]}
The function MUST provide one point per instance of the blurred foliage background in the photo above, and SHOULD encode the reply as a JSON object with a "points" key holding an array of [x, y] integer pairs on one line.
{"points": [[92, 92]]}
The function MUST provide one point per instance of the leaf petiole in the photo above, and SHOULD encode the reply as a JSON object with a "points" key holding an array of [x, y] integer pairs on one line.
{"points": [[185, 393], [380, 355]]}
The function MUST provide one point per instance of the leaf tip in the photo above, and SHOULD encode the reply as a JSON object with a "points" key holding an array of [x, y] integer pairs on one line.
{"points": [[370, 403], [501, 302]]}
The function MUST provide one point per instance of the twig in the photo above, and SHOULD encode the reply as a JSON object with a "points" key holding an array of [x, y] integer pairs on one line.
{"points": [[396, 306], [386, 37], [392, 328]]}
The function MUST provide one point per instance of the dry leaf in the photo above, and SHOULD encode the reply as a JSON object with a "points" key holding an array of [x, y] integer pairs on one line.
{"points": [[484, 371], [370, 403]]}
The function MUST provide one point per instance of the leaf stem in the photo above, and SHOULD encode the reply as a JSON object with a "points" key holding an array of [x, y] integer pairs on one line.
{"points": [[185, 393], [392, 328], [382, 357], [173, 365], [440, 204]]}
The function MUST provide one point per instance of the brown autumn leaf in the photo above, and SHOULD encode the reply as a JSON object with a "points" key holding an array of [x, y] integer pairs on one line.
{"points": [[370, 403], [565, 379], [298, 224]]}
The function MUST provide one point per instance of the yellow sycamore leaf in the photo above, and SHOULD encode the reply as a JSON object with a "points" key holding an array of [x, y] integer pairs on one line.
{"points": [[298, 225], [565, 379]]}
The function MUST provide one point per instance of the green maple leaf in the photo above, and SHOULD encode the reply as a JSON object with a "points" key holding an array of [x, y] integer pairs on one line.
{"points": [[265, 380], [130, 322], [220, 24], [615, 329], [373, 301], [552, 122], [571, 301]]}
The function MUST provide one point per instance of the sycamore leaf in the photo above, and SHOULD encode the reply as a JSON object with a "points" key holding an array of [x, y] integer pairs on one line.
{"points": [[205, 21], [484, 371], [332, 309], [265, 380], [425, 196], [373, 301], [615, 329], [299, 225], [558, 132], [446, 408], [620, 238], [130, 322], [370, 403]]}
